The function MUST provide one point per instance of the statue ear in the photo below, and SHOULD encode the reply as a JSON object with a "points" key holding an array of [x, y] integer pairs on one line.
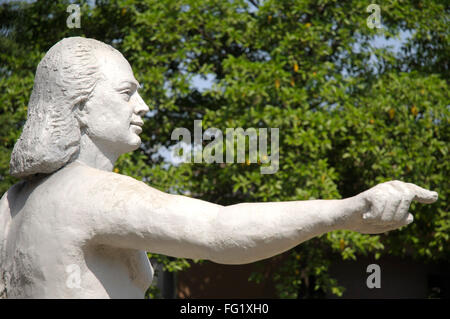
{"points": [[80, 110]]}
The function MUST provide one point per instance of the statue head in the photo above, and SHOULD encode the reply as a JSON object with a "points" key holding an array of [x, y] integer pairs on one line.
{"points": [[82, 86]]}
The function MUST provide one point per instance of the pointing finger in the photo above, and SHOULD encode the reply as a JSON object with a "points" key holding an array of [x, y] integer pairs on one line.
{"points": [[422, 195]]}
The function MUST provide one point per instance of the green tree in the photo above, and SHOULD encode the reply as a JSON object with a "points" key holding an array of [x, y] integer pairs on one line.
{"points": [[351, 114]]}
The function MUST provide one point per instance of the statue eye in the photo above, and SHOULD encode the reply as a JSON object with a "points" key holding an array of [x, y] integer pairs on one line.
{"points": [[127, 94]]}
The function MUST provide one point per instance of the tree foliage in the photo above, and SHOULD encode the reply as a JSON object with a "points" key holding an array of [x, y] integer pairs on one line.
{"points": [[351, 112]]}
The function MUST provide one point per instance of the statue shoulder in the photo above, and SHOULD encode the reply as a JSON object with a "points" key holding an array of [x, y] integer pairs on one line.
{"points": [[91, 175], [83, 180]]}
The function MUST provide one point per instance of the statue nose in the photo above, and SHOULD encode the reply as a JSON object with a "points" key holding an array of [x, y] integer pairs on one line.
{"points": [[141, 108]]}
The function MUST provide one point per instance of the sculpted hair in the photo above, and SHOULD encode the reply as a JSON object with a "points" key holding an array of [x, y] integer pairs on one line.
{"points": [[65, 79]]}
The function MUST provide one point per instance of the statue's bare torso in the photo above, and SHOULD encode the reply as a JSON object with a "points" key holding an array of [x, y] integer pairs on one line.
{"points": [[54, 253]]}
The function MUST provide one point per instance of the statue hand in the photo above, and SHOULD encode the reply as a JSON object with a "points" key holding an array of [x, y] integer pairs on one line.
{"points": [[385, 206]]}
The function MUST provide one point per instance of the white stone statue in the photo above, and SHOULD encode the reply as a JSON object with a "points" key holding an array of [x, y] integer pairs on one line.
{"points": [[74, 229]]}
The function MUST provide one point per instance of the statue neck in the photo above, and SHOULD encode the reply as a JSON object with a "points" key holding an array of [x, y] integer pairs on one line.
{"points": [[92, 154]]}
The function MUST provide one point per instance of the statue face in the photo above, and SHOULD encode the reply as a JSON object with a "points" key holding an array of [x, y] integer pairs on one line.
{"points": [[113, 113]]}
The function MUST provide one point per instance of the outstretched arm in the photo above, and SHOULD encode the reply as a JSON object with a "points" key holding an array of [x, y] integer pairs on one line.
{"points": [[252, 231], [140, 217]]}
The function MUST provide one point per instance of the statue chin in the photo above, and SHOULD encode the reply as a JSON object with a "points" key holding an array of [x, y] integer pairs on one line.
{"points": [[135, 146], [129, 147]]}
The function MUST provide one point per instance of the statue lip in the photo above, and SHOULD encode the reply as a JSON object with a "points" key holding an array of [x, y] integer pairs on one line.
{"points": [[137, 123]]}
